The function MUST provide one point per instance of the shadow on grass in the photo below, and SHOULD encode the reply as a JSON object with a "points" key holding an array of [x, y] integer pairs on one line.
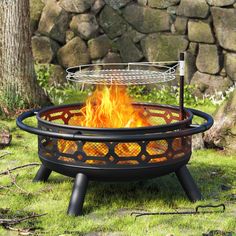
{"points": [[165, 190]]}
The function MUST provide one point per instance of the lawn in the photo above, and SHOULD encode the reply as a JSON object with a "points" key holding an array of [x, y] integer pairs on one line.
{"points": [[108, 205]]}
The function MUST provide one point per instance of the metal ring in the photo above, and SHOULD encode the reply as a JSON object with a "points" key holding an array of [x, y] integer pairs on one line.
{"points": [[191, 130], [139, 130]]}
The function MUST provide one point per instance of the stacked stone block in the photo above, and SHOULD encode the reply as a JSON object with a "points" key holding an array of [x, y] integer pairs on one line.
{"points": [[74, 32]]}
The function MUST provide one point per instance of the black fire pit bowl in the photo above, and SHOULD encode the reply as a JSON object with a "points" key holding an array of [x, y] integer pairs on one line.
{"points": [[154, 151]]}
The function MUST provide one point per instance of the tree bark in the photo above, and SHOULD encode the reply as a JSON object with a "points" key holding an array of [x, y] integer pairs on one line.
{"points": [[223, 133], [17, 74]]}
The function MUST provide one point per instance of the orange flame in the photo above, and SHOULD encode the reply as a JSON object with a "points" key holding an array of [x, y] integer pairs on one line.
{"points": [[110, 107]]}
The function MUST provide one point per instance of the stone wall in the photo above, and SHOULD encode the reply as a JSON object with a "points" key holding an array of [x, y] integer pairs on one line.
{"points": [[72, 32]]}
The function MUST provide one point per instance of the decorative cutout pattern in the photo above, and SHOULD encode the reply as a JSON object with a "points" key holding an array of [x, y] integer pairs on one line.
{"points": [[113, 153], [156, 116]]}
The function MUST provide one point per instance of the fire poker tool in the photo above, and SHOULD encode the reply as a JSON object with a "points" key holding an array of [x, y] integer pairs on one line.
{"points": [[196, 212]]}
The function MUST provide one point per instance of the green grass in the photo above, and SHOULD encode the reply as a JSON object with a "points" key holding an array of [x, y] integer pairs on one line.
{"points": [[108, 205]]}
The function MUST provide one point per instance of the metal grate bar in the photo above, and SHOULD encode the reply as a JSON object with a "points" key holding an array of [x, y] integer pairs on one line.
{"points": [[132, 74]]}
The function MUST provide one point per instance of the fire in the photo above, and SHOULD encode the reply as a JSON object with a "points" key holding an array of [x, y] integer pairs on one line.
{"points": [[109, 107]]}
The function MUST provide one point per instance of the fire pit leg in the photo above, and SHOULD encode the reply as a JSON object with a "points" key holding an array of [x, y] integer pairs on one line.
{"points": [[78, 194], [42, 174], [188, 184]]}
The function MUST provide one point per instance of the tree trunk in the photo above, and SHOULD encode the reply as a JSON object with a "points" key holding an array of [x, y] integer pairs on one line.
{"points": [[17, 74], [223, 133]]}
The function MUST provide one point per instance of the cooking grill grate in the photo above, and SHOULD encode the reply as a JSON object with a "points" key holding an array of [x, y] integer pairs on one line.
{"points": [[122, 73]]}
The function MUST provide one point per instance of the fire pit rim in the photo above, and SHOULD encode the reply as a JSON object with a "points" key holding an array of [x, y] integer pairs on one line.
{"points": [[151, 129], [190, 130]]}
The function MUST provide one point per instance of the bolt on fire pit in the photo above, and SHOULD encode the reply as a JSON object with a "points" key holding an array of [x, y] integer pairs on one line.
{"points": [[160, 147]]}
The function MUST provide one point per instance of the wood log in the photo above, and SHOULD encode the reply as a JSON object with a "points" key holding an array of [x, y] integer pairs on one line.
{"points": [[5, 138]]}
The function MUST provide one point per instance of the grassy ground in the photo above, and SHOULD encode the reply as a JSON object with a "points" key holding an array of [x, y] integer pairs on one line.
{"points": [[108, 205]]}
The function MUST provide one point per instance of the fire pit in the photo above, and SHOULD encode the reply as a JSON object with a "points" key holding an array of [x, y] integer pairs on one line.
{"points": [[155, 141]]}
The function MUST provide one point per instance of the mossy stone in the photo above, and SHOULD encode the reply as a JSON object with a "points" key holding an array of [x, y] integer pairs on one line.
{"points": [[54, 22], [180, 25], [44, 49], [85, 25], [111, 22], [208, 59], [99, 47], [162, 4], [117, 4], [163, 47], [194, 9], [36, 8], [221, 3], [76, 6], [74, 53], [224, 20], [230, 65], [200, 31], [128, 50], [147, 20]]}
